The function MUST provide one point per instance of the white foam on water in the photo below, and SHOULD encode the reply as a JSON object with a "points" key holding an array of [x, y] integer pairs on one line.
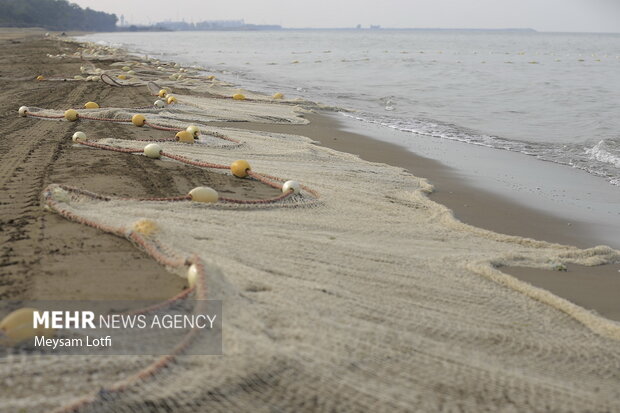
{"points": [[602, 153], [602, 159]]}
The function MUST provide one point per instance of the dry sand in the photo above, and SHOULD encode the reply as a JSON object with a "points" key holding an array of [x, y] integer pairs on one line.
{"points": [[376, 299], [44, 256]]}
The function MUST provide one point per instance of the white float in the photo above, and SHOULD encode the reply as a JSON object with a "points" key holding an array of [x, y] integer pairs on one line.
{"points": [[79, 136], [192, 275], [291, 185], [194, 130], [204, 194], [153, 150]]}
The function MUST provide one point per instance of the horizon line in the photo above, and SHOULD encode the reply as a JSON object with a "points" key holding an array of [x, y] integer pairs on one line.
{"points": [[377, 28]]}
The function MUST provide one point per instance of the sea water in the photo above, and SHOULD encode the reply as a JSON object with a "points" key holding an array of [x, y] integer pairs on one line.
{"points": [[554, 96]]}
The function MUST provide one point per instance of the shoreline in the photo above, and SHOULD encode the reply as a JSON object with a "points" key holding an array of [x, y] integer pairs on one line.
{"points": [[469, 204], [581, 209], [570, 218], [476, 207]]}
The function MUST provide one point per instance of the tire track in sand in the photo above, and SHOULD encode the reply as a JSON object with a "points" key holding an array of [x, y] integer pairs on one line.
{"points": [[41, 254]]}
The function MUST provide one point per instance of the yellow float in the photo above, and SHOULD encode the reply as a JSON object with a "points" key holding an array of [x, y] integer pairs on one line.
{"points": [[184, 136], [71, 115], [145, 226], [18, 327], [240, 168], [138, 120]]}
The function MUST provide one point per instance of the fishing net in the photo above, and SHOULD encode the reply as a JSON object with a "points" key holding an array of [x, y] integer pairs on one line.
{"points": [[369, 297]]}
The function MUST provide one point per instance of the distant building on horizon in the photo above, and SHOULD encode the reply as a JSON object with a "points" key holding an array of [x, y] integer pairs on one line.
{"points": [[216, 25]]}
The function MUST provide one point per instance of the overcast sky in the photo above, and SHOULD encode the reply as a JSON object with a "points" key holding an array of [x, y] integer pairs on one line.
{"points": [[543, 15]]}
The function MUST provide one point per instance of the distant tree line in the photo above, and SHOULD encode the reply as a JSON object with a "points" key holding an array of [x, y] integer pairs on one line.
{"points": [[54, 15]]}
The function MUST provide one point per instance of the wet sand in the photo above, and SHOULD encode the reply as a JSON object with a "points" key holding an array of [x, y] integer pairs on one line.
{"points": [[594, 288]]}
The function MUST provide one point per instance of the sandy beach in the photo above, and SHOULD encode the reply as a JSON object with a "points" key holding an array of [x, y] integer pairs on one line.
{"points": [[371, 293], [58, 251]]}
